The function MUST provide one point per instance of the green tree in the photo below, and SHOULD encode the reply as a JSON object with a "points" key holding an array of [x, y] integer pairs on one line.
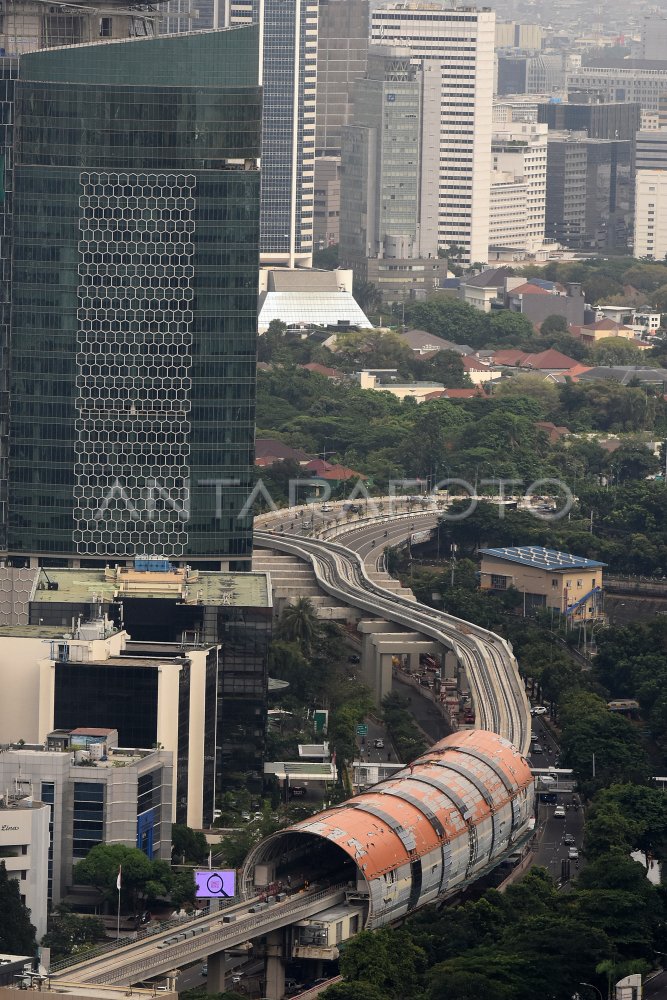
{"points": [[327, 258], [17, 934], [70, 933], [388, 959], [507, 327], [615, 351], [553, 324], [101, 865], [188, 844], [298, 623], [367, 295], [354, 991]]}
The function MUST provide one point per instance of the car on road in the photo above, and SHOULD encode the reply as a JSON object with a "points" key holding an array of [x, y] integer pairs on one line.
{"points": [[559, 812], [378, 744], [573, 854], [204, 969], [326, 507], [538, 710], [568, 839], [537, 748], [354, 658]]}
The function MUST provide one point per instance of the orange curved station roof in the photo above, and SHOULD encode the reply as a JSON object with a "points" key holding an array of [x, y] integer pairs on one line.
{"points": [[461, 779]]}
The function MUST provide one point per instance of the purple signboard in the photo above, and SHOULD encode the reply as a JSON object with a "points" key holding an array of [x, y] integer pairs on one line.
{"points": [[213, 884]]}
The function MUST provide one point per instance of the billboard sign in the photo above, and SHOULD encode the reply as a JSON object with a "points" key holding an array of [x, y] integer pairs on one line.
{"points": [[214, 884]]}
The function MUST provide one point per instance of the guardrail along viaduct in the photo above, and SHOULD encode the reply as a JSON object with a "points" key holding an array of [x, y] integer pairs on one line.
{"points": [[410, 840]]}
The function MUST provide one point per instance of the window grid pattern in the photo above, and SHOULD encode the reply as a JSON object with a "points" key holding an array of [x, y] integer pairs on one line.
{"points": [[133, 362]]}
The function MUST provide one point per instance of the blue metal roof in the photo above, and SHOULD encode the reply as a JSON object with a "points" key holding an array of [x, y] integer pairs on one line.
{"points": [[541, 558]]}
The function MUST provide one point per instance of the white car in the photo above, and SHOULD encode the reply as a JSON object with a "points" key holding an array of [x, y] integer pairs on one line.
{"points": [[326, 507], [559, 812], [538, 710], [573, 854]]}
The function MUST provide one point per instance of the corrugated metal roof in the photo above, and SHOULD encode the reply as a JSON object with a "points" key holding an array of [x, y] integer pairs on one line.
{"points": [[465, 776], [540, 558]]}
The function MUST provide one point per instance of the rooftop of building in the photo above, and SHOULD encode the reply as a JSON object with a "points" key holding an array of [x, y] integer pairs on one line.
{"points": [[537, 557], [625, 374], [493, 277], [85, 991], [187, 586], [115, 756], [32, 631], [421, 340], [330, 308]]}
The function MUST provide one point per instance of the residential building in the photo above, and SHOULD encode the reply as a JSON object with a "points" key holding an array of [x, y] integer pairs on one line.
{"points": [[388, 382], [481, 290], [600, 120], [642, 319], [24, 848], [326, 216], [289, 30], [571, 585], [589, 191], [543, 361], [519, 152], [306, 298], [427, 344], [127, 407], [537, 301], [601, 329], [389, 162], [625, 374], [95, 794], [461, 43], [650, 230], [633, 81]]}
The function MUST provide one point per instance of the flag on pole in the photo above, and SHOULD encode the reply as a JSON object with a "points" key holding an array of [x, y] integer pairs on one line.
{"points": [[118, 880]]}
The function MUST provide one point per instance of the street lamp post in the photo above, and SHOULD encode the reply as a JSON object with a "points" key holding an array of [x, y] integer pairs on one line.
{"points": [[592, 987]]}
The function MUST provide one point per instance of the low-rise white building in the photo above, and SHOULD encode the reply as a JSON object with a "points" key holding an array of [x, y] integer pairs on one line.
{"points": [[24, 849]]}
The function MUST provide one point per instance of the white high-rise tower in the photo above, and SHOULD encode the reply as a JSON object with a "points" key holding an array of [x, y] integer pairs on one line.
{"points": [[462, 41]]}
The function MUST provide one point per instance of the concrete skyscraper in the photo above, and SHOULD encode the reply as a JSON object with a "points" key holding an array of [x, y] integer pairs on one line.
{"points": [[389, 187], [461, 41], [288, 65]]}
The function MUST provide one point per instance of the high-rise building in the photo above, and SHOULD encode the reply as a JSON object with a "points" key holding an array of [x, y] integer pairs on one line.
{"points": [[650, 235], [589, 191], [288, 65], [177, 16], [520, 150], [342, 48], [135, 228], [24, 846], [461, 44], [608, 120], [654, 36], [530, 72], [389, 194]]}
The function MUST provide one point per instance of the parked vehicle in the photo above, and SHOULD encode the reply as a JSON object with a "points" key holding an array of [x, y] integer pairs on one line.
{"points": [[539, 710]]}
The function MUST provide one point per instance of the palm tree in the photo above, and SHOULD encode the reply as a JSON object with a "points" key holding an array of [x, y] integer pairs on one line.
{"points": [[299, 623]]}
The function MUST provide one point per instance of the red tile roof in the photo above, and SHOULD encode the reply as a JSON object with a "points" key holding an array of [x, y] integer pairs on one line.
{"points": [[318, 369], [325, 470], [529, 289]]}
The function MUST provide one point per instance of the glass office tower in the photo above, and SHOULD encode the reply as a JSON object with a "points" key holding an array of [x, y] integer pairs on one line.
{"points": [[135, 255]]}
